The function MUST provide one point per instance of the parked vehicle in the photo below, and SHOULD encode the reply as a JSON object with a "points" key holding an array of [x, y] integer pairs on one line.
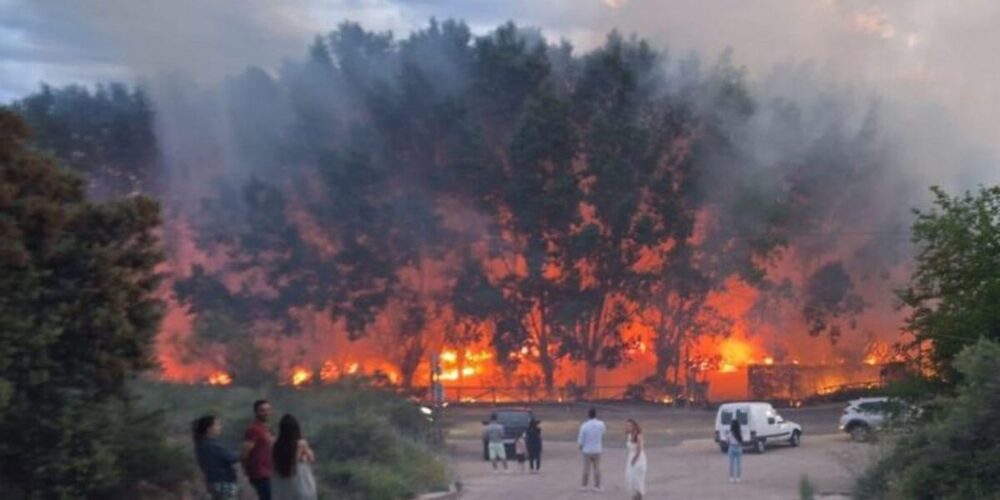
{"points": [[514, 421], [863, 416], [761, 426]]}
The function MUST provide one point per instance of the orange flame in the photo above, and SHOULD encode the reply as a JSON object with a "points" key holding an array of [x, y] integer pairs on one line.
{"points": [[301, 376], [220, 378]]}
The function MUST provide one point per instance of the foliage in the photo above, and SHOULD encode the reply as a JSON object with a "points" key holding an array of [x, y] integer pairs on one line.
{"points": [[105, 134], [807, 491], [369, 442], [77, 321], [955, 287], [955, 455]]}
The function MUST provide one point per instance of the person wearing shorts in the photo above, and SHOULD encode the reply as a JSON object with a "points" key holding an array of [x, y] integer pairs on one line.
{"points": [[493, 435]]}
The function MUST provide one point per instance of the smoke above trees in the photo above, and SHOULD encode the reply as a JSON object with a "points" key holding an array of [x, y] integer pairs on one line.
{"points": [[446, 187]]}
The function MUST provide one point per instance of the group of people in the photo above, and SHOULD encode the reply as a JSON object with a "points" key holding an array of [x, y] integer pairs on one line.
{"points": [[277, 468], [527, 446], [590, 440]]}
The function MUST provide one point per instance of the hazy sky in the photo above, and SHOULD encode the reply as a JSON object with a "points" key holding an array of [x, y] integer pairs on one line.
{"points": [[942, 51]]}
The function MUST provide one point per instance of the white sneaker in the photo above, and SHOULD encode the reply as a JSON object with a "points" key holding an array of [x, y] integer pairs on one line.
{"points": [[732, 480]]}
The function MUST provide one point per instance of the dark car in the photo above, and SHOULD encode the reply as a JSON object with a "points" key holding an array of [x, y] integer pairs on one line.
{"points": [[515, 422]]}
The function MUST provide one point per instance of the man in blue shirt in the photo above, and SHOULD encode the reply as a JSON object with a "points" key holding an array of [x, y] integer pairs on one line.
{"points": [[591, 441]]}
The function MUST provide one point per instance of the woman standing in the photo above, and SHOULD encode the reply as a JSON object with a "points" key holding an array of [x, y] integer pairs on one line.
{"points": [[534, 442], [735, 440], [635, 466], [215, 461], [293, 478]]}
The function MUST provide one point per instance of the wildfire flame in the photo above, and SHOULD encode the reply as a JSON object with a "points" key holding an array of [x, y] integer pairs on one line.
{"points": [[301, 376], [220, 378]]}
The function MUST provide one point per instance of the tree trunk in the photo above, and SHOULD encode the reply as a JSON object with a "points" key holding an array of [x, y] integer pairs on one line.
{"points": [[590, 373], [548, 371]]}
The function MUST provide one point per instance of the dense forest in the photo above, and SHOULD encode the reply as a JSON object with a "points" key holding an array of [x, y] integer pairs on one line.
{"points": [[446, 187]]}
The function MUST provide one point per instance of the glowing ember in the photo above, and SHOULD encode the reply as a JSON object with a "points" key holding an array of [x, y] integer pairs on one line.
{"points": [[220, 378], [768, 360], [727, 368], [871, 361], [301, 376], [353, 368], [329, 372]]}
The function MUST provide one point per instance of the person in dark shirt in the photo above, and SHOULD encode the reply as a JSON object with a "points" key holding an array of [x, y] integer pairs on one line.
{"points": [[534, 441], [257, 442], [214, 460]]}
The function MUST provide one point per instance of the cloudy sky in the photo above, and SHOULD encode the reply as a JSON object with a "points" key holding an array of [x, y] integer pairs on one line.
{"points": [[942, 51]]}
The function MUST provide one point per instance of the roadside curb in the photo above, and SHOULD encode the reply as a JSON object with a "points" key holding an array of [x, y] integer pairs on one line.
{"points": [[453, 492]]}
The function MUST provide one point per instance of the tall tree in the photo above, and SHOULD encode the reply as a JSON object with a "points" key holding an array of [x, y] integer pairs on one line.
{"points": [[78, 317], [105, 134], [954, 290]]}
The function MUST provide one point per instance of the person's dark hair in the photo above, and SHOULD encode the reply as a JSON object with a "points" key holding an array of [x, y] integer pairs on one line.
{"points": [[592, 413], [493, 416], [257, 404], [634, 436], [533, 424], [200, 427], [286, 446], [734, 427]]}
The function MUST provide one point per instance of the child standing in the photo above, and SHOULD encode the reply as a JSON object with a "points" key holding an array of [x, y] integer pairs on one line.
{"points": [[521, 450]]}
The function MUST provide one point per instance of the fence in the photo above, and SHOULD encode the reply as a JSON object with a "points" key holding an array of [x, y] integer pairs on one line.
{"points": [[517, 394]]}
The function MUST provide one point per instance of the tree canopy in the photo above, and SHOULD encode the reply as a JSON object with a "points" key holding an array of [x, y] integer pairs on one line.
{"points": [[77, 320]]}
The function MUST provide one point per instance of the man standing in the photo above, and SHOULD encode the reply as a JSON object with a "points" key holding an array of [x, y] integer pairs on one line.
{"points": [[493, 435], [257, 450], [591, 441]]}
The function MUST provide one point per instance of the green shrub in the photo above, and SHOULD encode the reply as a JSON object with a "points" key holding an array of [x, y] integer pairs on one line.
{"points": [[955, 455], [807, 491], [369, 458], [368, 441]]}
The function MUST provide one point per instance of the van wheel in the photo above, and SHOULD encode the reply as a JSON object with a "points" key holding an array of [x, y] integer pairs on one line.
{"points": [[724, 448], [796, 438], [760, 445]]}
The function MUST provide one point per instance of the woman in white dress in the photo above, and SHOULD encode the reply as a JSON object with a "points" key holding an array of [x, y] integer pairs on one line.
{"points": [[635, 465], [293, 477]]}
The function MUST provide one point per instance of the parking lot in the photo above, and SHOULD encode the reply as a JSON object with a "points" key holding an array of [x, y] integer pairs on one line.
{"points": [[684, 462]]}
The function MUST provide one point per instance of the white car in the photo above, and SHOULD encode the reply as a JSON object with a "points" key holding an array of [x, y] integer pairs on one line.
{"points": [[761, 425], [864, 415]]}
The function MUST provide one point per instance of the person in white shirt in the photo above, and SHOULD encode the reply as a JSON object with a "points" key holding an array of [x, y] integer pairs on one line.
{"points": [[591, 441]]}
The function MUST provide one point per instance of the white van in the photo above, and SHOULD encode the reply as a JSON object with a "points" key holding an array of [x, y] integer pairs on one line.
{"points": [[760, 425]]}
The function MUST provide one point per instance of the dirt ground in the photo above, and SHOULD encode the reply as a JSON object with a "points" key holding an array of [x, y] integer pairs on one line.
{"points": [[684, 462]]}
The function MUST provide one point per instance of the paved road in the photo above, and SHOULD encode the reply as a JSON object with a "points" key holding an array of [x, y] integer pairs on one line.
{"points": [[683, 462]]}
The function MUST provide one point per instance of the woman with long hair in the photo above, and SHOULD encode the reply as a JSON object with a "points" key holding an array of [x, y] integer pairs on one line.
{"points": [[735, 441], [293, 478], [635, 465], [214, 460]]}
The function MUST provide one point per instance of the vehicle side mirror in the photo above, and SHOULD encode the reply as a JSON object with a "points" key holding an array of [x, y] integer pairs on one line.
{"points": [[770, 420]]}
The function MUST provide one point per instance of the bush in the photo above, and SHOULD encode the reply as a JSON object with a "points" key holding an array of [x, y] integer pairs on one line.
{"points": [[957, 454], [367, 440], [369, 458]]}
